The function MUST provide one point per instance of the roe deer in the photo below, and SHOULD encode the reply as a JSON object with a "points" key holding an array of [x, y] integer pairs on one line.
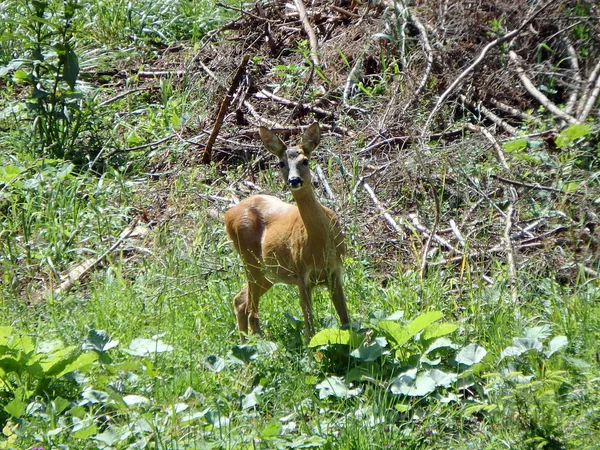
{"points": [[279, 242]]}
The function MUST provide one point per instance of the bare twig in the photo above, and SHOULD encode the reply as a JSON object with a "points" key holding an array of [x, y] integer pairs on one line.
{"points": [[344, 12], [428, 55], [75, 274], [510, 110], [534, 186], [510, 256], [489, 114], [312, 38], [206, 157], [324, 182], [590, 101], [588, 87], [574, 63], [492, 139], [284, 101], [414, 218], [537, 94], [121, 95], [386, 215]]}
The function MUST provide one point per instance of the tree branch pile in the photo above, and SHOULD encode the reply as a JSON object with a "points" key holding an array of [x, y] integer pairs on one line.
{"points": [[451, 127]]}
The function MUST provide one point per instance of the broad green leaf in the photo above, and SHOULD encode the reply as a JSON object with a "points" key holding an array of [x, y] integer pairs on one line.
{"points": [[397, 333], [78, 363], [570, 187], [528, 344], [471, 354], [85, 433], [20, 76], [5, 334], [133, 400], [15, 407], [133, 139], [266, 347], [250, 400], [330, 336], [145, 347], [441, 378], [7, 173], [424, 320], [109, 436], [59, 404], [541, 332], [410, 386], [437, 330], [555, 345], [573, 133], [214, 363], [71, 68], [370, 351], [245, 353], [516, 146], [98, 340], [272, 430], [335, 387]]}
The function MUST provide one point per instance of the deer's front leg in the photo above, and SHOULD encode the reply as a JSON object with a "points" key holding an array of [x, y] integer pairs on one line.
{"points": [[306, 305], [338, 298]]}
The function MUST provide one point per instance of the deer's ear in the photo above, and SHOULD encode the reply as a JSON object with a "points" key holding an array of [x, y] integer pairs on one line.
{"points": [[272, 142], [311, 138]]}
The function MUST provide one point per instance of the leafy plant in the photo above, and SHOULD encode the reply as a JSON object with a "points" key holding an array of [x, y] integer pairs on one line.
{"points": [[29, 369], [50, 68]]}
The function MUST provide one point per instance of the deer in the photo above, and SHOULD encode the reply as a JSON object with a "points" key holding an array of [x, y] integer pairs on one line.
{"points": [[279, 242]]}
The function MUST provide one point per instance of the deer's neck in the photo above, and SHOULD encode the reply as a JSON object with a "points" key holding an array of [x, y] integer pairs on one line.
{"points": [[316, 221]]}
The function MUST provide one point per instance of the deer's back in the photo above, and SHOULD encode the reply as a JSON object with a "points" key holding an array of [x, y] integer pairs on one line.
{"points": [[275, 238]]}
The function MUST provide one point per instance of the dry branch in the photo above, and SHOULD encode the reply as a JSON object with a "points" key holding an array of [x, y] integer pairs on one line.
{"points": [[75, 274], [284, 101], [510, 255], [510, 110], [537, 94], [590, 101], [207, 156], [492, 139], [489, 114], [414, 218], [312, 38]]}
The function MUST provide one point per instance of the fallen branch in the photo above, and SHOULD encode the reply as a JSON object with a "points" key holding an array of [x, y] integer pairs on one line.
{"points": [[590, 101], [312, 38], [574, 63], [207, 156], [492, 139], [489, 114], [533, 186], [510, 255], [68, 281], [324, 182], [414, 218], [120, 96], [537, 94], [510, 110], [385, 214], [284, 101], [428, 57]]}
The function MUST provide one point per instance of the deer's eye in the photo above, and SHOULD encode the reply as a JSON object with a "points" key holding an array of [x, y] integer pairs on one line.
{"points": [[281, 164], [305, 162]]}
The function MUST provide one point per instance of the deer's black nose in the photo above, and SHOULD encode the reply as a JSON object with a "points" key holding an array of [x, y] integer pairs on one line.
{"points": [[295, 182]]}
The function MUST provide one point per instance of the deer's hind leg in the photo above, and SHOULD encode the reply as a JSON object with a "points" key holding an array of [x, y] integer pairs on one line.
{"points": [[246, 303]]}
